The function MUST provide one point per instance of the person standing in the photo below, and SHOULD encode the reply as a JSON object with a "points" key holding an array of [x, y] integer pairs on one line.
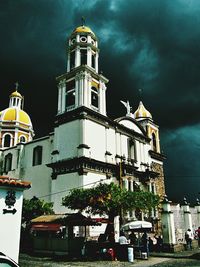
{"points": [[122, 239], [145, 243], [198, 235], [188, 239]]}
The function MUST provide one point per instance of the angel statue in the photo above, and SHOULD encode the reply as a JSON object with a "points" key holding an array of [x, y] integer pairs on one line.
{"points": [[127, 106]]}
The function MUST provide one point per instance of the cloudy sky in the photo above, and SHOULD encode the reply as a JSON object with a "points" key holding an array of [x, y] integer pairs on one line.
{"points": [[153, 45]]}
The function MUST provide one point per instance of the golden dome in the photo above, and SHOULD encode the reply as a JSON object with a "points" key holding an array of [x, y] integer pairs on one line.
{"points": [[142, 112], [83, 29], [14, 114], [16, 94]]}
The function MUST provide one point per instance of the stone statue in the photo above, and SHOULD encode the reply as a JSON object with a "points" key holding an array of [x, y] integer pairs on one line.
{"points": [[127, 106]]}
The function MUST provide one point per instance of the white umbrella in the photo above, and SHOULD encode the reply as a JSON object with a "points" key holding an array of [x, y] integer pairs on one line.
{"points": [[137, 225]]}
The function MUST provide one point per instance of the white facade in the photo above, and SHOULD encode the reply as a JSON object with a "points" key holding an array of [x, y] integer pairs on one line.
{"points": [[10, 216], [86, 147]]}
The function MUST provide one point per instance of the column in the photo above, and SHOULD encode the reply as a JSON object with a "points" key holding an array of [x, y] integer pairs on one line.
{"points": [[59, 98], [89, 57], [187, 215], [168, 227], [96, 62], [63, 93], [197, 206]]}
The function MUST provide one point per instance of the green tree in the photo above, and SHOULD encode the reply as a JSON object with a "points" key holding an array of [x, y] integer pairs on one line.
{"points": [[35, 207], [109, 199], [31, 209]]}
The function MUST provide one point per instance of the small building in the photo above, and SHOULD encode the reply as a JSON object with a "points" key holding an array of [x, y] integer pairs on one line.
{"points": [[11, 198], [56, 234]]}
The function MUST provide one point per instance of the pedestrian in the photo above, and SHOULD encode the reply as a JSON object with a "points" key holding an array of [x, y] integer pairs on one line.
{"points": [[159, 243], [188, 239], [198, 235], [122, 239], [145, 243], [122, 248], [133, 238], [150, 244]]}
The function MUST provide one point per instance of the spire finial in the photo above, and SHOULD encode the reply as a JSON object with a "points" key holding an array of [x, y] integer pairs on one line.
{"points": [[82, 21], [140, 93], [16, 86]]}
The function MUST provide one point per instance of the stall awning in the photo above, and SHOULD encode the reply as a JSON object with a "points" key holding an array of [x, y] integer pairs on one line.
{"points": [[46, 227]]}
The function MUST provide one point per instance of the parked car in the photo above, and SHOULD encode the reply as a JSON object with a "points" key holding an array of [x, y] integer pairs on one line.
{"points": [[6, 261]]}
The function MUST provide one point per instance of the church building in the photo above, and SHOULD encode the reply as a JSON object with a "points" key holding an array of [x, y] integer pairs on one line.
{"points": [[86, 146]]}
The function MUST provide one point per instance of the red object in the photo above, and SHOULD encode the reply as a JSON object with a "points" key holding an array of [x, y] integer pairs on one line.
{"points": [[111, 253], [46, 227]]}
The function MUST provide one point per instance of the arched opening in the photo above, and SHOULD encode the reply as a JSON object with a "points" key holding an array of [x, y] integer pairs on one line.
{"points": [[7, 140], [154, 142], [37, 155], [8, 163], [22, 139]]}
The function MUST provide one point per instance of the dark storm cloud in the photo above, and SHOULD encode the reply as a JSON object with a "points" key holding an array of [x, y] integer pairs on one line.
{"points": [[153, 45]]}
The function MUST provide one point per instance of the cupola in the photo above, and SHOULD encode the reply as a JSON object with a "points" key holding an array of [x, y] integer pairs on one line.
{"points": [[15, 124], [142, 112]]}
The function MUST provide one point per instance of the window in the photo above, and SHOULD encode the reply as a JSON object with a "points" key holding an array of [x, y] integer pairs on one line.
{"points": [[70, 93], [93, 61], [94, 97], [154, 142], [7, 140], [72, 59], [83, 56], [8, 163], [131, 149], [37, 155], [22, 139], [70, 98]]}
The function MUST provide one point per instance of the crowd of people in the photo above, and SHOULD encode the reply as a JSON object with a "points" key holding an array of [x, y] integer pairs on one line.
{"points": [[147, 243]]}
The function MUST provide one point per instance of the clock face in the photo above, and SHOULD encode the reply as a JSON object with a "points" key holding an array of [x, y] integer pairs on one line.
{"points": [[83, 39]]}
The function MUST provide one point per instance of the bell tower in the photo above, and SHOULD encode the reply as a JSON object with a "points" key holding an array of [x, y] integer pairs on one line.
{"points": [[144, 117], [82, 84]]}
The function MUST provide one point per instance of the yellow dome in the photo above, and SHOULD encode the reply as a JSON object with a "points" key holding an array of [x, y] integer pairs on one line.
{"points": [[15, 114], [142, 112], [16, 94], [83, 29]]}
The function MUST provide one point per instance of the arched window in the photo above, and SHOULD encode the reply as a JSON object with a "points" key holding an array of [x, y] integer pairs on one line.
{"points": [[83, 56], [37, 155], [154, 142], [7, 140], [22, 139], [8, 163]]}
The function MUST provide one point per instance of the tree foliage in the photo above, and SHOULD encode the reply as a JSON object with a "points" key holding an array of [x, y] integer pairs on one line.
{"points": [[35, 207], [109, 199]]}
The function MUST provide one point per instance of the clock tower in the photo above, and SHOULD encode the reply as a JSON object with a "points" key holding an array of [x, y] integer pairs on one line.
{"points": [[82, 85]]}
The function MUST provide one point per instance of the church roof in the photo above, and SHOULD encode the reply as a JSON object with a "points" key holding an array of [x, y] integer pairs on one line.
{"points": [[7, 181], [16, 94], [142, 112], [83, 29], [14, 114]]}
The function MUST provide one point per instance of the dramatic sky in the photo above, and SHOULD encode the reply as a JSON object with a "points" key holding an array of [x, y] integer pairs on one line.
{"points": [[153, 45]]}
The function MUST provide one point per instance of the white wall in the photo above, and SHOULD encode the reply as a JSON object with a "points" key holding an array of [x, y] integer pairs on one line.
{"points": [[67, 139], [10, 225]]}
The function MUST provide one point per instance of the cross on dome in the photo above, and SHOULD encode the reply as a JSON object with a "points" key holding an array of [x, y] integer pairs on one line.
{"points": [[16, 86]]}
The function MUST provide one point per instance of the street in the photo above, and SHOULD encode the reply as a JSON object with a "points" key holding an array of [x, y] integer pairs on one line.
{"points": [[28, 261]]}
